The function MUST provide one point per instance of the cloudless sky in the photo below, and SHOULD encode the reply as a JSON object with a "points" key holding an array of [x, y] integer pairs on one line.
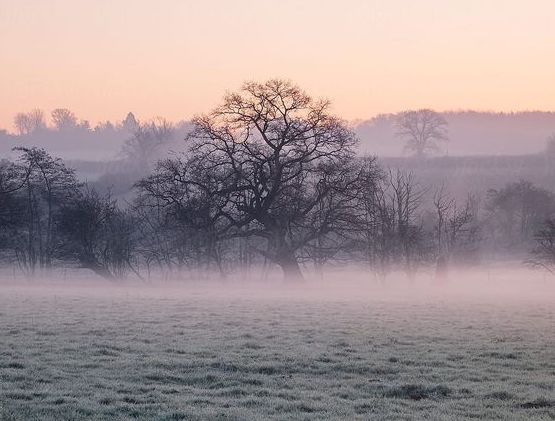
{"points": [[176, 58]]}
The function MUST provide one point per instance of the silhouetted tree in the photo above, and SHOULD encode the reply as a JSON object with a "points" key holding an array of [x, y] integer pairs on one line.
{"points": [[543, 254], [517, 211], [422, 130], [63, 119], [336, 215], [406, 198], [390, 229], [46, 184], [98, 235], [261, 165], [181, 214], [130, 123], [456, 230], [550, 146], [376, 223], [12, 181], [27, 123], [145, 146]]}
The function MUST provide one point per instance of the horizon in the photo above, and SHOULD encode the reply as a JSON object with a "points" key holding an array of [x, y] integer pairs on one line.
{"points": [[354, 122]]}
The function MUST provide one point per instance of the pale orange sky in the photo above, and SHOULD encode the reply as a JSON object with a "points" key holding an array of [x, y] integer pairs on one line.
{"points": [[176, 58]]}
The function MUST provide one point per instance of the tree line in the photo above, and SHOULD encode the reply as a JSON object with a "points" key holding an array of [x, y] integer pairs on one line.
{"points": [[270, 178], [65, 120]]}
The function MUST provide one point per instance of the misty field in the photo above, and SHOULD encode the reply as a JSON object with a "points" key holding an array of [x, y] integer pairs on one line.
{"points": [[228, 353]]}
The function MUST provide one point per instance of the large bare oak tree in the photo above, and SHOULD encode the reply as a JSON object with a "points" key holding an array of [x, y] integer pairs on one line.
{"points": [[422, 130], [270, 162]]}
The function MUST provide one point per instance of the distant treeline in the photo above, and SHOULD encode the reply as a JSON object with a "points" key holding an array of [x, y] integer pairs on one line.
{"points": [[466, 133], [67, 136]]}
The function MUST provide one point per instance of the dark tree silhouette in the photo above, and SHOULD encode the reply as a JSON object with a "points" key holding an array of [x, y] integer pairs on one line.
{"points": [[550, 146], [406, 200], [376, 222], [98, 235], [47, 184], [543, 254], [389, 228], [517, 211], [263, 163], [185, 201], [456, 230], [12, 204]]}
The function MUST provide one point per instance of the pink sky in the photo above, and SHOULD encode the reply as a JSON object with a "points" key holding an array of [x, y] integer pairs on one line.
{"points": [[176, 58]]}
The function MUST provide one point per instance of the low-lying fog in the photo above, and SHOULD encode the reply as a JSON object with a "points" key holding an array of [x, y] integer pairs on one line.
{"points": [[497, 284]]}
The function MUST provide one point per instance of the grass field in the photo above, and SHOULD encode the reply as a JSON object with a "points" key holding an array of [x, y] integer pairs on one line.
{"points": [[140, 353]]}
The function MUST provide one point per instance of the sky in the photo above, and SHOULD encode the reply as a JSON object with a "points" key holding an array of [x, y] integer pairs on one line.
{"points": [[177, 58]]}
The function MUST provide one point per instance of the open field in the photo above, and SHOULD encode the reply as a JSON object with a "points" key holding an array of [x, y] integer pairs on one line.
{"points": [[186, 354]]}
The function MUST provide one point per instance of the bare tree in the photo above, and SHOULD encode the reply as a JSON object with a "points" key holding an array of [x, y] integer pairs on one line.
{"points": [[376, 222], [260, 165], [98, 235], [43, 185], [550, 146], [160, 239], [12, 204], [27, 123], [456, 230], [543, 254], [517, 211], [337, 214], [389, 223], [180, 214], [406, 199], [63, 119], [422, 130], [11, 178], [145, 146], [22, 124]]}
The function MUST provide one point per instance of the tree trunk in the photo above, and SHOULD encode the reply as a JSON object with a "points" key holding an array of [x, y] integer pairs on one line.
{"points": [[98, 269], [442, 269], [290, 266]]}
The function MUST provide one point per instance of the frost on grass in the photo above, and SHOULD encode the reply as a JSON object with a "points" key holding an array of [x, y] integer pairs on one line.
{"points": [[136, 354]]}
